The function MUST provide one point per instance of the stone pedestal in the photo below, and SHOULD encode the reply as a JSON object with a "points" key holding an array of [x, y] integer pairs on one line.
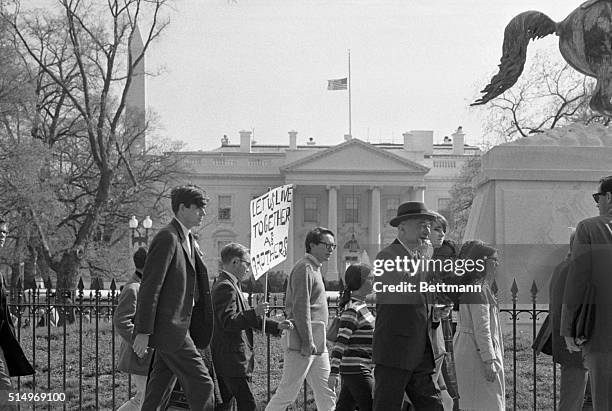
{"points": [[529, 193]]}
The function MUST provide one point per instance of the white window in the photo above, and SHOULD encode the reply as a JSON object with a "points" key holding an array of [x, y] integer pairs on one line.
{"points": [[311, 209]]}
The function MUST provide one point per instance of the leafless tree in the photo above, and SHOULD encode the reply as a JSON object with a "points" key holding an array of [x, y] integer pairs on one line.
{"points": [[549, 94], [80, 67]]}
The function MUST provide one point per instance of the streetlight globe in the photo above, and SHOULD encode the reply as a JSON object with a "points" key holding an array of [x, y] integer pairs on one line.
{"points": [[133, 223], [147, 223]]}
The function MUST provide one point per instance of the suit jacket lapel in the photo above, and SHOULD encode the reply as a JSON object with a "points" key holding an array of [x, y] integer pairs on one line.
{"points": [[241, 303], [183, 240]]}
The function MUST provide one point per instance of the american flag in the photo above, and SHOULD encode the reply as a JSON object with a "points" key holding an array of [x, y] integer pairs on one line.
{"points": [[338, 84]]}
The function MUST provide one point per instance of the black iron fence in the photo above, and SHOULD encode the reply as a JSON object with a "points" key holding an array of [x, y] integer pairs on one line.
{"points": [[70, 340]]}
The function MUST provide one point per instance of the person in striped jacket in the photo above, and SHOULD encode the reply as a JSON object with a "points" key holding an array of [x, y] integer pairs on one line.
{"points": [[351, 356]]}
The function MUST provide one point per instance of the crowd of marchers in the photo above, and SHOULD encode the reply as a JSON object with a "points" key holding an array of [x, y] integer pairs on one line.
{"points": [[175, 327]]}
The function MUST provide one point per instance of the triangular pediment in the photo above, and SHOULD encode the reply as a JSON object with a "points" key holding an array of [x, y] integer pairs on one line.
{"points": [[355, 155]]}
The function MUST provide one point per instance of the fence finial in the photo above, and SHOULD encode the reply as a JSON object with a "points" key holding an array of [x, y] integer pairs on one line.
{"points": [[534, 289], [514, 288]]}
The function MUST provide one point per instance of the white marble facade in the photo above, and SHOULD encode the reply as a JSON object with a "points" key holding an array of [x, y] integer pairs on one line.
{"points": [[353, 188]]}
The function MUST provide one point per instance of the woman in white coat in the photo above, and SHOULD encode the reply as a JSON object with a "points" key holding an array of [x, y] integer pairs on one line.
{"points": [[478, 344]]}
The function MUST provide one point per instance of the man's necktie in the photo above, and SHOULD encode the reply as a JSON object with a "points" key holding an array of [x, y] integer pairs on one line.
{"points": [[196, 290]]}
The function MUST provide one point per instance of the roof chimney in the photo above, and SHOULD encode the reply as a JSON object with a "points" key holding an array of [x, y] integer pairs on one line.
{"points": [[245, 141], [408, 143], [293, 140], [458, 141]]}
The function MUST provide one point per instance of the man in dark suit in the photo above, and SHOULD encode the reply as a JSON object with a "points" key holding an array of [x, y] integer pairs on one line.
{"points": [[232, 343], [174, 311], [13, 361], [591, 264], [574, 376], [402, 350]]}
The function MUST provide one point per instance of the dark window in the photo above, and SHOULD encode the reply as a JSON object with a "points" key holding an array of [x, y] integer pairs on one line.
{"points": [[225, 208], [351, 212]]}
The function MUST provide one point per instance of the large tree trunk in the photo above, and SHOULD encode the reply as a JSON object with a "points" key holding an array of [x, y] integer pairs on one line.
{"points": [[67, 281], [29, 269], [44, 269]]}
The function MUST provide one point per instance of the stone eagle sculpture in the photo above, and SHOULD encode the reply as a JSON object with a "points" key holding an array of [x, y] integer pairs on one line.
{"points": [[585, 42]]}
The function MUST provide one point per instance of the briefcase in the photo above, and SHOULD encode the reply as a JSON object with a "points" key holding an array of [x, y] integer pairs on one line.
{"points": [[585, 316], [543, 341]]}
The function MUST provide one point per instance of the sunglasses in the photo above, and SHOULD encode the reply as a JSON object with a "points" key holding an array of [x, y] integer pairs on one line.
{"points": [[596, 196]]}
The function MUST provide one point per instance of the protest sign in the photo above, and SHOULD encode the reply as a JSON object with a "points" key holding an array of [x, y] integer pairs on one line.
{"points": [[270, 214]]}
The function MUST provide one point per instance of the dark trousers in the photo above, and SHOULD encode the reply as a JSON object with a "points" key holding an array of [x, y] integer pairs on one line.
{"points": [[391, 383], [356, 390], [240, 388], [599, 365], [187, 365]]}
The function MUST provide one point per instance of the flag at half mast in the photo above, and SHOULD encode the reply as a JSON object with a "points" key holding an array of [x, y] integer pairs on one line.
{"points": [[338, 84]]}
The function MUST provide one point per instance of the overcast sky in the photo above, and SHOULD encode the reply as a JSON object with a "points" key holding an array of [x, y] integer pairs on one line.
{"points": [[264, 65]]}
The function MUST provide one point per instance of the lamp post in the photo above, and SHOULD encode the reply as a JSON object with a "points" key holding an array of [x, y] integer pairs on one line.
{"points": [[137, 237]]}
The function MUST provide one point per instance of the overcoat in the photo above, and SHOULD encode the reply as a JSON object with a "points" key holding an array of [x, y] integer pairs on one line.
{"points": [[16, 361]]}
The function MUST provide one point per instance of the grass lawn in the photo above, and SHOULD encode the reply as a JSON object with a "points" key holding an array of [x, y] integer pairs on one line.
{"points": [[102, 394]]}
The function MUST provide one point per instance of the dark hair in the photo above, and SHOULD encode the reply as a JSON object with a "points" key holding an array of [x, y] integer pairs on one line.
{"points": [[315, 235], [448, 249], [605, 184], [231, 251], [187, 195], [354, 277], [139, 257], [475, 250], [441, 220]]}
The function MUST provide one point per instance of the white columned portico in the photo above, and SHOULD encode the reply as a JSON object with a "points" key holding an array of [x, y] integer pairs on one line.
{"points": [[406, 195], [416, 193], [332, 224], [375, 218], [419, 193]]}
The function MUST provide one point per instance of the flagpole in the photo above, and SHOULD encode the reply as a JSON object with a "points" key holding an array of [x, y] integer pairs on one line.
{"points": [[349, 90]]}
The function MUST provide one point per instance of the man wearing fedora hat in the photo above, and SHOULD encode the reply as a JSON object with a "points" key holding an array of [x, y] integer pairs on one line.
{"points": [[401, 349]]}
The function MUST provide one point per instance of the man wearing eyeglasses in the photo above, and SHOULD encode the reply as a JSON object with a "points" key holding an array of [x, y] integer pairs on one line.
{"points": [[232, 343], [306, 302], [13, 361], [591, 264]]}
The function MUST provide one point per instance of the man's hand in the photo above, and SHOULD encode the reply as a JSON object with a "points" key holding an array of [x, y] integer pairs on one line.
{"points": [[141, 344], [285, 325], [489, 370], [307, 351], [332, 382], [571, 345], [441, 311], [262, 308]]}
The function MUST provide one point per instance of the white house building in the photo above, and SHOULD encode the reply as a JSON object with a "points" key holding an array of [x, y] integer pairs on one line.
{"points": [[353, 188]]}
